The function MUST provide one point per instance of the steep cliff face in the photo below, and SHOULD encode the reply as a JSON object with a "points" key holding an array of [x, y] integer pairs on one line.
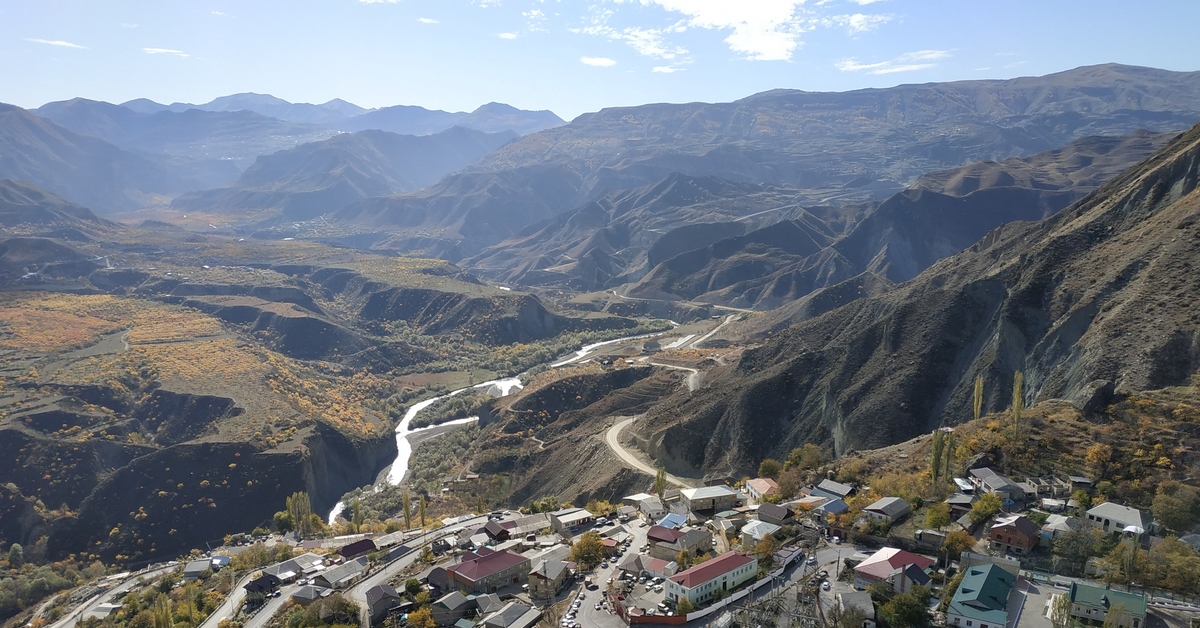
{"points": [[1101, 292], [188, 494]]}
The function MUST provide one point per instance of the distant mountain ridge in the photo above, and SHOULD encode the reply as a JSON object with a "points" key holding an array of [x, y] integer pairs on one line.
{"points": [[321, 177], [344, 116], [850, 147]]}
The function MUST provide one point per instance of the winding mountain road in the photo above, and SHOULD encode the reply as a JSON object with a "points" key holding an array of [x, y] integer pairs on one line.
{"points": [[612, 439]]}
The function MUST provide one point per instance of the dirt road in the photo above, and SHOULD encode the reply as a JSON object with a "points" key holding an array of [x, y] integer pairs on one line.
{"points": [[612, 438]]}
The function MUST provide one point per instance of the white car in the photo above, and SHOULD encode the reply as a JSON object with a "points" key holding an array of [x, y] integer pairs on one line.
{"points": [[825, 585]]}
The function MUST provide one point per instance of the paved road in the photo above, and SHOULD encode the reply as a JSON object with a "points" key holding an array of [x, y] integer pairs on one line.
{"points": [[235, 597], [264, 614], [613, 440], [692, 381], [90, 605], [728, 320]]}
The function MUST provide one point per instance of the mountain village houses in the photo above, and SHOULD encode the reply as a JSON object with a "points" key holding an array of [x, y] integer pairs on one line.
{"points": [[525, 559]]}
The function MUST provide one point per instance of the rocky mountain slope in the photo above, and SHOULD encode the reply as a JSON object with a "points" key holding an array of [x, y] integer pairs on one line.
{"points": [[851, 146], [28, 209], [321, 177], [1096, 297], [86, 170], [894, 240]]}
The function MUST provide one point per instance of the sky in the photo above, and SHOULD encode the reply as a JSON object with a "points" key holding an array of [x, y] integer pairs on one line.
{"points": [[569, 57]]}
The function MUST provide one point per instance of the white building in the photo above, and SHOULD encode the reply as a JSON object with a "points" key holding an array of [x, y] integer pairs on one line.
{"points": [[723, 573], [1116, 519]]}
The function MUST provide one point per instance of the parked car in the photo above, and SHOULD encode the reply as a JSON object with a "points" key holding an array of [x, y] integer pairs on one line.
{"points": [[825, 585]]}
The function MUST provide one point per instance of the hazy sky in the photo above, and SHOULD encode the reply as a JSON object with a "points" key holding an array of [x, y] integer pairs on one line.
{"points": [[570, 57]]}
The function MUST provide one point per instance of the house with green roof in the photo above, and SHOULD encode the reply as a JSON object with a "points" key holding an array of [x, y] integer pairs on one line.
{"points": [[1092, 605], [981, 600]]}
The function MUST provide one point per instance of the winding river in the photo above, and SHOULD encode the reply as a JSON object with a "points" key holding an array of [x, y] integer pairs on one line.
{"points": [[507, 387]]}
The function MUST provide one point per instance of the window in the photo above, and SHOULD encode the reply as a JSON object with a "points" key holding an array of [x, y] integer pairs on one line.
{"points": [[968, 622]]}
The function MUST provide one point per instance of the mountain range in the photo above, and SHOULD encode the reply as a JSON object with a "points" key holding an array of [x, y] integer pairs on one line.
{"points": [[344, 116], [849, 147], [1094, 299], [321, 177]]}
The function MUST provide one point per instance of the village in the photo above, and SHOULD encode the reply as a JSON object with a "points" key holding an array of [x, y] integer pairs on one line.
{"points": [[998, 553]]}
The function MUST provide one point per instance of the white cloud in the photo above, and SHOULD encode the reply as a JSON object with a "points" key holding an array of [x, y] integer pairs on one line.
{"points": [[379, 1], [666, 69], [537, 20], [56, 42], [906, 62], [763, 30], [863, 3], [165, 51], [600, 62], [427, 20], [127, 25], [220, 14], [506, 35], [925, 55], [646, 41]]}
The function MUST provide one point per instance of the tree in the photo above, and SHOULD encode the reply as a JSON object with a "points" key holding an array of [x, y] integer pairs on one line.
{"points": [[988, 505], [1125, 564], [16, 556], [412, 586], [356, 517], [1174, 565], [1097, 458], [907, 609], [300, 508], [938, 516], [766, 547], [936, 446], [421, 507], [948, 465], [957, 542], [769, 468], [1018, 402], [162, 611], [808, 456], [660, 482], [421, 618], [1060, 611], [406, 508], [978, 400], [479, 504], [1116, 616], [284, 522], [1176, 506], [684, 606], [1077, 545], [1082, 498], [588, 550], [683, 559]]}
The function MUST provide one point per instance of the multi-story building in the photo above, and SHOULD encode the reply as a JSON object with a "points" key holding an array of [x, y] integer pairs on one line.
{"points": [[721, 574]]}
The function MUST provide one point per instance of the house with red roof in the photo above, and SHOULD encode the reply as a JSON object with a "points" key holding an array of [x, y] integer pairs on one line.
{"points": [[721, 574], [900, 569], [487, 571]]}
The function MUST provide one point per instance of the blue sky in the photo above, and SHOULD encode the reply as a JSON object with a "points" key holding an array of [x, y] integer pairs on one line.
{"points": [[570, 57]]}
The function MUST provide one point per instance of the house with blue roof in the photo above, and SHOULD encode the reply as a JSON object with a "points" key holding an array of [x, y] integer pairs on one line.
{"points": [[981, 600], [673, 521]]}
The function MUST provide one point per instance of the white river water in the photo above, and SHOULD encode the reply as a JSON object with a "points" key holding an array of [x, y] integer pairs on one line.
{"points": [[507, 386]]}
